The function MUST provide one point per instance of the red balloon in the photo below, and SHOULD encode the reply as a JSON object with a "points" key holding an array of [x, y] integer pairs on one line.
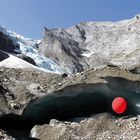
{"points": [[119, 105]]}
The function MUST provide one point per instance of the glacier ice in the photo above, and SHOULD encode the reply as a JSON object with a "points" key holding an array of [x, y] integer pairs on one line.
{"points": [[28, 47]]}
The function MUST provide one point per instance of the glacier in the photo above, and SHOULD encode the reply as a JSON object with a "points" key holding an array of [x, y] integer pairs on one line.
{"points": [[28, 47]]}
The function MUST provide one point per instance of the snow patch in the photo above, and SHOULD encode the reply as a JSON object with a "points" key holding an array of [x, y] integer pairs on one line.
{"points": [[14, 62], [87, 54]]}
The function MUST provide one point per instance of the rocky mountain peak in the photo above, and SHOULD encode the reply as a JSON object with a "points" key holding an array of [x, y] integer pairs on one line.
{"points": [[94, 45]]}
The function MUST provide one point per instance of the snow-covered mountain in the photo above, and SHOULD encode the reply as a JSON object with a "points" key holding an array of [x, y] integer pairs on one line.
{"points": [[28, 47]]}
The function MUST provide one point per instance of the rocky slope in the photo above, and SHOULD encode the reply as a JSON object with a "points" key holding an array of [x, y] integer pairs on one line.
{"points": [[89, 52], [93, 45], [31, 84]]}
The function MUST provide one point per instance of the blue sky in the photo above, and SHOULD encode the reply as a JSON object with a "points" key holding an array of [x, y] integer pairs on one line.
{"points": [[27, 17]]}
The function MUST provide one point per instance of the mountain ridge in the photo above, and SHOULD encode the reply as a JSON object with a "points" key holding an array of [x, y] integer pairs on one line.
{"points": [[82, 46]]}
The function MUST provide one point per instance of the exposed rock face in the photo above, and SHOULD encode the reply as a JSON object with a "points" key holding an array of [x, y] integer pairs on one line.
{"points": [[110, 48], [3, 56], [94, 45], [7, 44], [60, 47], [26, 58]]}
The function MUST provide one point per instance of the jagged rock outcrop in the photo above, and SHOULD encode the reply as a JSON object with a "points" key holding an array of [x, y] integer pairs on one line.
{"points": [[7, 44], [62, 49], [94, 45]]}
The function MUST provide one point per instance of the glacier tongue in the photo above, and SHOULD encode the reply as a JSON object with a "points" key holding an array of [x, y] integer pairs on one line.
{"points": [[28, 47], [40, 60]]}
